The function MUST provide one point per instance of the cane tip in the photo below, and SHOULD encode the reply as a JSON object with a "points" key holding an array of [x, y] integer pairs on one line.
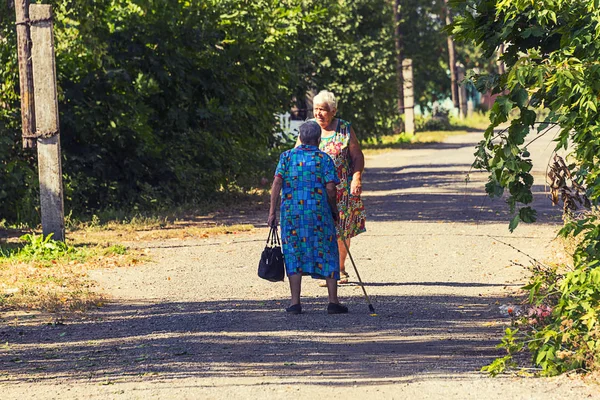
{"points": [[374, 315]]}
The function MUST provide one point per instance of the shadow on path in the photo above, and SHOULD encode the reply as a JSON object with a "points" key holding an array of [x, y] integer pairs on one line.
{"points": [[441, 192], [410, 336]]}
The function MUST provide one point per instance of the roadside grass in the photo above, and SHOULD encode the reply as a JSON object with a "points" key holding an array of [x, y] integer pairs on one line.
{"points": [[477, 122], [184, 222], [38, 273], [404, 141], [180, 229]]}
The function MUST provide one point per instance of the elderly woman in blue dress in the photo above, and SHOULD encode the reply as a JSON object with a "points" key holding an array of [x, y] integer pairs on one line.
{"points": [[306, 178]]}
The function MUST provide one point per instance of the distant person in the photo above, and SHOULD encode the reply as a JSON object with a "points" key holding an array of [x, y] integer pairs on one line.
{"points": [[338, 139], [306, 178]]}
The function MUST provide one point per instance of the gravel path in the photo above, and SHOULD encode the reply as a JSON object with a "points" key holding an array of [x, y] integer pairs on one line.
{"points": [[198, 323]]}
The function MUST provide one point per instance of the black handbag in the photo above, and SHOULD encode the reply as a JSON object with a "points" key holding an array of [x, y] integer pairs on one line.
{"points": [[271, 266]]}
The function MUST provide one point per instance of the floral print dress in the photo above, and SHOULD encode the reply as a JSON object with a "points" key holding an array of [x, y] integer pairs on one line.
{"points": [[351, 208], [308, 232]]}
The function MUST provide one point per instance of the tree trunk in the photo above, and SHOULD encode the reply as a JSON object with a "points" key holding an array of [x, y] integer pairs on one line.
{"points": [[462, 92], [398, 43], [451, 58]]}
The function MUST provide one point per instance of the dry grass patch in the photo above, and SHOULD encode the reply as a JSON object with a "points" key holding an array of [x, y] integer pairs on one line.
{"points": [[38, 273], [176, 230]]}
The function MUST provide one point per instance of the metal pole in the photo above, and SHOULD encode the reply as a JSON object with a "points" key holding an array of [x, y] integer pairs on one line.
{"points": [[371, 308]]}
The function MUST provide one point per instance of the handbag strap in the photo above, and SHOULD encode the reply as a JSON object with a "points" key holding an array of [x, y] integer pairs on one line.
{"points": [[275, 239]]}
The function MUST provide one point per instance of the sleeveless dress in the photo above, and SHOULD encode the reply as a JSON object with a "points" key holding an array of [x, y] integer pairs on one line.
{"points": [[308, 234], [351, 208]]}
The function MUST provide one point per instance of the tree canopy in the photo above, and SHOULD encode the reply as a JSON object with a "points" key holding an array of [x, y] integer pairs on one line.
{"points": [[167, 102]]}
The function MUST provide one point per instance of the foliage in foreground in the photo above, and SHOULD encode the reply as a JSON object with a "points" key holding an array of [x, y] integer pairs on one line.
{"points": [[552, 58]]}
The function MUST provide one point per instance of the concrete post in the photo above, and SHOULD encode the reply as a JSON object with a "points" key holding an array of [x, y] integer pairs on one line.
{"points": [[46, 112], [409, 98]]}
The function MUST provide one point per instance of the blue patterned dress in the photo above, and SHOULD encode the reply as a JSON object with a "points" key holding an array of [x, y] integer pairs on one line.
{"points": [[307, 228]]}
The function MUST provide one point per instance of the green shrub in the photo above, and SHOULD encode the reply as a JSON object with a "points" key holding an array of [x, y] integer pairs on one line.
{"points": [[43, 248]]}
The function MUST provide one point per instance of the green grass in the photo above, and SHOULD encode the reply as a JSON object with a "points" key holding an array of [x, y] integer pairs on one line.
{"points": [[476, 123]]}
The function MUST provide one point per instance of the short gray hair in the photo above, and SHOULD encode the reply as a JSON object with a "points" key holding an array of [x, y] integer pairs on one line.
{"points": [[310, 133], [326, 97]]}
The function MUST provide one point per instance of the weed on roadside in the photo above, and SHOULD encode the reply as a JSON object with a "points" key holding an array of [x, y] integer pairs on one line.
{"points": [[39, 273]]}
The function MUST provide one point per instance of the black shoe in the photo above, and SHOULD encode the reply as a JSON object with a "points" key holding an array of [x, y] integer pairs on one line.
{"points": [[336, 308], [295, 309]]}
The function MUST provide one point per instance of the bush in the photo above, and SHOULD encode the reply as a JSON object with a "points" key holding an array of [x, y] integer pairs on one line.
{"points": [[439, 121], [167, 103]]}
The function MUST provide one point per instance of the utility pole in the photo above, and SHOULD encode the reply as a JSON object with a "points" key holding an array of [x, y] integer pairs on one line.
{"points": [[39, 108]]}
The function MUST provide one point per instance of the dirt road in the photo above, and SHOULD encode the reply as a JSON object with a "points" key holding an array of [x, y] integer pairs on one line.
{"points": [[198, 324]]}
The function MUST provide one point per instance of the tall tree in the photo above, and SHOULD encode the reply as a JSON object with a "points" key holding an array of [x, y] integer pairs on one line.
{"points": [[398, 44], [451, 57]]}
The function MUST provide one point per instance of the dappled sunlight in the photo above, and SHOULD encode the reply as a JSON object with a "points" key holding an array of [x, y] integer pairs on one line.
{"points": [[252, 338]]}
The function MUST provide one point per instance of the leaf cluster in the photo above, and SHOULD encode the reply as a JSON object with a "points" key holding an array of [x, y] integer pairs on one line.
{"points": [[552, 58]]}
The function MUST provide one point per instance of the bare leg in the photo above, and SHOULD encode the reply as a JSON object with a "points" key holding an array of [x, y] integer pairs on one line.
{"points": [[332, 290], [295, 287], [343, 256]]}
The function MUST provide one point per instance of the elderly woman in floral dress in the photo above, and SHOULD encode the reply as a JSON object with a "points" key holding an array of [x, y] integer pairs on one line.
{"points": [[306, 178], [338, 139]]}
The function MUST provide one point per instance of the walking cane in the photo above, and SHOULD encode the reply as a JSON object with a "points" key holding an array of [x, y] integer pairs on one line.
{"points": [[371, 308]]}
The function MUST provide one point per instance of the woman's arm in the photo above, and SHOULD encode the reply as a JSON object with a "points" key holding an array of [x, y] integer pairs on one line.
{"points": [[358, 163], [275, 196], [332, 200]]}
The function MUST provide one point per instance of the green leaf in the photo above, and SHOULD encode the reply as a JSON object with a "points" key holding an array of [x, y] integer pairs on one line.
{"points": [[541, 355], [527, 215], [514, 222], [502, 107], [494, 189], [528, 117], [520, 97]]}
